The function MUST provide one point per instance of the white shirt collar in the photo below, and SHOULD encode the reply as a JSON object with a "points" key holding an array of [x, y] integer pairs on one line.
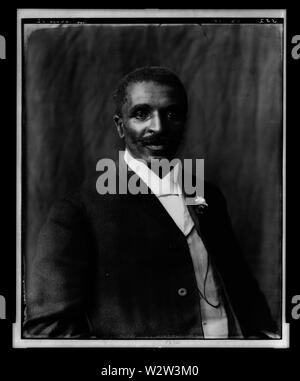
{"points": [[168, 185]]}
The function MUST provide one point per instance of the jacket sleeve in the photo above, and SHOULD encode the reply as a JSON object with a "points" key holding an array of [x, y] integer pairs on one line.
{"points": [[57, 281], [247, 300]]}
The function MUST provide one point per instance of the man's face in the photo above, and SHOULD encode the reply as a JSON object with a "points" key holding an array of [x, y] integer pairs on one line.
{"points": [[152, 121]]}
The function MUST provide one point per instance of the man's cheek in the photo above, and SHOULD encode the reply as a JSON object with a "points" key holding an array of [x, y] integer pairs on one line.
{"points": [[132, 139], [135, 133]]}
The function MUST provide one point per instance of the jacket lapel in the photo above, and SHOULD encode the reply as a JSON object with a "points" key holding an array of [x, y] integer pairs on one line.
{"points": [[152, 205], [195, 218]]}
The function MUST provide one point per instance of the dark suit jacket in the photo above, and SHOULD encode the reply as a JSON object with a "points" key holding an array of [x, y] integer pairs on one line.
{"points": [[111, 266]]}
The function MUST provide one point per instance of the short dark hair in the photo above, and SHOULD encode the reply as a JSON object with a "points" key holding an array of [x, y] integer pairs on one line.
{"points": [[159, 74]]}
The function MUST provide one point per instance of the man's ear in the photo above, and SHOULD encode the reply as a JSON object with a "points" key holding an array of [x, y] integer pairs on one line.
{"points": [[119, 124]]}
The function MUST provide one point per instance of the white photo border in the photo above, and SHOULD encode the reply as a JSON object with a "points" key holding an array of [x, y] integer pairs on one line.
{"points": [[18, 341]]}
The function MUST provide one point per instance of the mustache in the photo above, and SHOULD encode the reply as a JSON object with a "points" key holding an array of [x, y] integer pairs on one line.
{"points": [[159, 140]]}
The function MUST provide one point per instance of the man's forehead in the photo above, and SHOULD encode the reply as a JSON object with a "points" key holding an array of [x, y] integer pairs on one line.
{"points": [[151, 92]]}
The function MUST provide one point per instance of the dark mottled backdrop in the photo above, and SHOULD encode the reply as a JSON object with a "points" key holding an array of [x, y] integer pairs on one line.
{"points": [[233, 74]]}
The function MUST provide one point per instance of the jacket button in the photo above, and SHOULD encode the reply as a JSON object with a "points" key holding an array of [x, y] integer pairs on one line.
{"points": [[182, 291]]}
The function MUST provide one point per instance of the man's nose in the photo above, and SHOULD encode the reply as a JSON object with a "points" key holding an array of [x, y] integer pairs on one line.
{"points": [[156, 122]]}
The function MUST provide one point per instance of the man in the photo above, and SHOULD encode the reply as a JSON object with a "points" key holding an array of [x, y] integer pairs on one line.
{"points": [[143, 265]]}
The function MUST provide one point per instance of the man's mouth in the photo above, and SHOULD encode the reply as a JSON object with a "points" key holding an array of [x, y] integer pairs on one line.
{"points": [[156, 144], [156, 147]]}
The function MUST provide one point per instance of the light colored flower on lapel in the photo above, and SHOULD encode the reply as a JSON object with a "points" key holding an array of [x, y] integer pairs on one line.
{"points": [[199, 200], [200, 204]]}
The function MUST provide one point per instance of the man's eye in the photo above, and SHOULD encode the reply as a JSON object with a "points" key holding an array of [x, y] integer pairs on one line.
{"points": [[141, 114], [175, 116]]}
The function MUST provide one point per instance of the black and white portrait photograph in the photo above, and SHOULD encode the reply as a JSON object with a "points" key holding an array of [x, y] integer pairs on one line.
{"points": [[151, 169]]}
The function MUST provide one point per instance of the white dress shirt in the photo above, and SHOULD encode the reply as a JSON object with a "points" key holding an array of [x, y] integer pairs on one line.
{"points": [[169, 193]]}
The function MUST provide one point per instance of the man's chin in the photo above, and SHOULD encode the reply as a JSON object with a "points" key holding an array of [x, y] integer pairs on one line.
{"points": [[158, 156]]}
